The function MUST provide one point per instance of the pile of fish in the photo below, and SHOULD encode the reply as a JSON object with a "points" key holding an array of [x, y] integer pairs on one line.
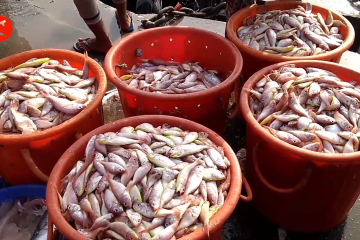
{"points": [[146, 183], [42, 93], [294, 32], [168, 77], [309, 108], [27, 221]]}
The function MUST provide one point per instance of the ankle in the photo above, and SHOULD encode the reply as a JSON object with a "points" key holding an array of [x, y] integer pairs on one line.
{"points": [[103, 39]]}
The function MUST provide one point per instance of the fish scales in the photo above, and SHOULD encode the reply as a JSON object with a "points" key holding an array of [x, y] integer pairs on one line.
{"points": [[291, 32], [148, 192], [323, 117], [42, 93]]}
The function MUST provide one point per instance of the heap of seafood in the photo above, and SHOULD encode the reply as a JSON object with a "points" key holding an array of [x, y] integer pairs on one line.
{"points": [[294, 32], [146, 183], [168, 77], [310, 108], [42, 93], [23, 220]]}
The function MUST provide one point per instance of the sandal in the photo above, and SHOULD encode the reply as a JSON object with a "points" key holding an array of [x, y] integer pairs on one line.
{"points": [[130, 29], [83, 45]]}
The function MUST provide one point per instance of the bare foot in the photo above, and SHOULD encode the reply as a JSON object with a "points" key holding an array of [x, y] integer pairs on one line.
{"points": [[94, 44]]}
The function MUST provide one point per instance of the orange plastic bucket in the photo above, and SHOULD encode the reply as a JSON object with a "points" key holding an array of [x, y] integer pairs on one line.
{"points": [[77, 150], [256, 60], [29, 158], [298, 189], [178, 44]]}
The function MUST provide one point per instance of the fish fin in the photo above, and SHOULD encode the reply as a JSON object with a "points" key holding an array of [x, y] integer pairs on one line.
{"points": [[72, 179], [270, 130], [60, 199], [45, 94], [85, 222], [206, 230], [107, 176], [355, 129], [93, 216], [177, 213], [129, 186], [86, 67], [184, 198], [81, 170]]}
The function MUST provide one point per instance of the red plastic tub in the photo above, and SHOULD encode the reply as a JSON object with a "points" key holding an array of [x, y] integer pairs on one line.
{"points": [[77, 150], [29, 158], [298, 189], [256, 60], [179, 44]]}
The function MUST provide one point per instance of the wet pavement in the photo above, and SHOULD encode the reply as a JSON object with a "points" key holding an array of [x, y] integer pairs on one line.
{"points": [[56, 24]]}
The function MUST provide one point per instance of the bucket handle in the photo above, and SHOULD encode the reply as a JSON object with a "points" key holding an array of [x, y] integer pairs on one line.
{"points": [[32, 165], [249, 196], [297, 187]]}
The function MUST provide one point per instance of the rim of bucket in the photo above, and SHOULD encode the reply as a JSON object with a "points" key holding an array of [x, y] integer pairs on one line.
{"points": [[100, 92], [232, 35], [230, 202], [277, 143], [109, 63]]}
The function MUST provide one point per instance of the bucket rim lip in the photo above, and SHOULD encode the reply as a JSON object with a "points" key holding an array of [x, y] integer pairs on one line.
{"points": [[114, 79], [232, 35], [233, 194], [266, 137], [97, 100]]}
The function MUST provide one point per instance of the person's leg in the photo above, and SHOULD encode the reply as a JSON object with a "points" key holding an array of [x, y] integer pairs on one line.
{"points": [[108, 2], [144, 6], [124, 19], [89, 11]]}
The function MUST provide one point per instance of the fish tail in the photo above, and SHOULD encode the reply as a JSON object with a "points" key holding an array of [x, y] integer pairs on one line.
{"points": [[81, 170], [107, 176], [93, 216], [86, 67], [177, 214], [206, 230], [62, 207], [129, 186], [270, 130], [184, 198]]}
